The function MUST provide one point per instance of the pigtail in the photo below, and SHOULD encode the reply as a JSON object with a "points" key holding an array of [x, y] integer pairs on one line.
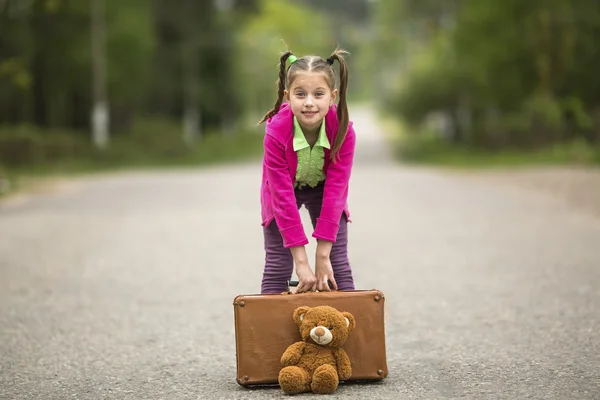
{"points": [[342, 108], [282, 79]]}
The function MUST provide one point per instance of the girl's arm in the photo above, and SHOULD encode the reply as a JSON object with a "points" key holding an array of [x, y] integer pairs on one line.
{"points": [[323, 267], [323, 248], [307, 281], [286, 211], [335, 192]]}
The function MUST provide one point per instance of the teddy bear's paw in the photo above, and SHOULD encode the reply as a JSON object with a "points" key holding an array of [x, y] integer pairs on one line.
{"points": [[325, 380], [293, 380]]}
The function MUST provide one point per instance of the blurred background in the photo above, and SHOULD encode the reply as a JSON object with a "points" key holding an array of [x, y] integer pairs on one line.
{"points": [[97, 84]]}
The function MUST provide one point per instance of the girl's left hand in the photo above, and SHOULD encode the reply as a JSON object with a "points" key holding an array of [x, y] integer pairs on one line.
{"points": [[324, 272]]}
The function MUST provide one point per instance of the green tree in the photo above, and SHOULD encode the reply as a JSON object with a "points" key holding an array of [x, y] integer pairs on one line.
{"points": [[508, 73], [262, 41]]}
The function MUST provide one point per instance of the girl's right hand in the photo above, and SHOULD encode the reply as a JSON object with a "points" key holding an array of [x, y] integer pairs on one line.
{"points": [[307, 280]]}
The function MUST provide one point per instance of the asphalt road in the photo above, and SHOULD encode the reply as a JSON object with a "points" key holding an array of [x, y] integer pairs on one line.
{"points": [[121, 286]]}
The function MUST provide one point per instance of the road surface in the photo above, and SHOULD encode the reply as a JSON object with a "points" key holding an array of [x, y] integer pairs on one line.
{"points": [[121, 286]]}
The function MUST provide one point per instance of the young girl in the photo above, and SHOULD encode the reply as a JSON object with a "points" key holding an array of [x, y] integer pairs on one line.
{"points": [[308, 155]]}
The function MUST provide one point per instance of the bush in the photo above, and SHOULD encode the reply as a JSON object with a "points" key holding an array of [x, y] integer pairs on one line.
{"points": [[27, 145], [434, 82], [5, 181], [150, 142], [428, 148]]}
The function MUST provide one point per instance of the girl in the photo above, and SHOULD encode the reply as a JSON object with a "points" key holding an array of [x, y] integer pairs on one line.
{"points": [[308, 155]]}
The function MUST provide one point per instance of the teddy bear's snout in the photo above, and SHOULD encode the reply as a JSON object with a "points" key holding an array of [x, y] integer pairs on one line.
{"points": [[321, 335]]}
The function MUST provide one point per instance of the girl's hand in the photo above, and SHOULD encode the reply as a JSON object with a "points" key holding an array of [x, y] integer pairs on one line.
{"points": [[323, 268], [307, 281], [324, 272]]}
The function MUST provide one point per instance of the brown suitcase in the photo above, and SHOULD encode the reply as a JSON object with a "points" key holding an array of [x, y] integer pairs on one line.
{"points": [[264, 328]]}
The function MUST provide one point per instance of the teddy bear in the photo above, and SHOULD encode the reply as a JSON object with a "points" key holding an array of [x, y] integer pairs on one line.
{"points": [[318, 362]]}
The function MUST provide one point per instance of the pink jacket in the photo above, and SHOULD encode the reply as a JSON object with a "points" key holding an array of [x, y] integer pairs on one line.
{"points": [[279, 170]]}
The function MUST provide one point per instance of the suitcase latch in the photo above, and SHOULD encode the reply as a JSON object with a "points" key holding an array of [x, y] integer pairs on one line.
{"points": [[240, 303]]}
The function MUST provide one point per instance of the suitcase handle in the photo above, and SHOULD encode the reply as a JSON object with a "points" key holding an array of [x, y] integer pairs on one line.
{"points": [[295, 284]]}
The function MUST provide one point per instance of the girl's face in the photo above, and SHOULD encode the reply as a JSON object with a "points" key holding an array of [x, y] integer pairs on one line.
{"points": [[310, 97]]}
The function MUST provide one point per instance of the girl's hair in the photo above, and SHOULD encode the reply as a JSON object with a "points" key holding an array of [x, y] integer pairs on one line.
{"points": [[317, 64]]}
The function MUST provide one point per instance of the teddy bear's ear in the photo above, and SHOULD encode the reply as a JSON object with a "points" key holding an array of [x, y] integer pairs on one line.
{"points": [[299, 314], [350, 321]]}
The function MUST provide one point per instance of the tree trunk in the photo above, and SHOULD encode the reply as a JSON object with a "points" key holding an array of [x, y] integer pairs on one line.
{"points": [[464, 117], [596, 117], [191, 114], [100, 111], [40, 111]]}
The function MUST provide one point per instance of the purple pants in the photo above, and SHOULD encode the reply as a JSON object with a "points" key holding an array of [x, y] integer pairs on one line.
{"points": [[279, 264]]}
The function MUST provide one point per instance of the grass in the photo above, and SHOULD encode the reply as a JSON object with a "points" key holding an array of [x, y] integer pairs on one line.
{"points": [[31, 155], [430, 149]]}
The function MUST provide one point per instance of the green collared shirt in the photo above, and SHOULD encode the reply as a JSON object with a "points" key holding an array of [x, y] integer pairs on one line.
{"points": [[310, 161]]}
